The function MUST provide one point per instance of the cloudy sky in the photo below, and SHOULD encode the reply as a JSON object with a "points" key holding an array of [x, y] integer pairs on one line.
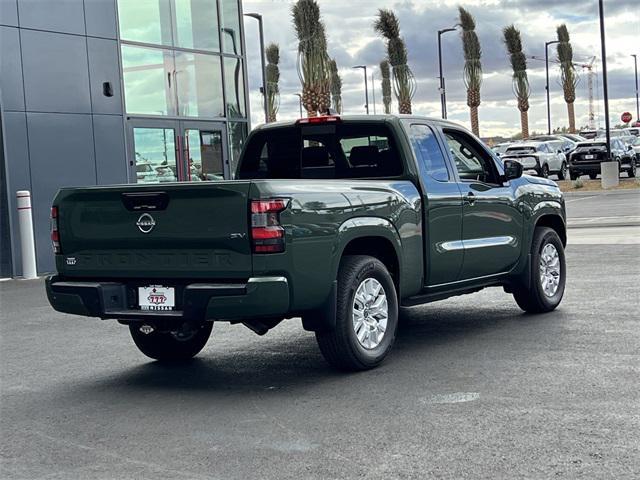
{"points": [[352, 41]]}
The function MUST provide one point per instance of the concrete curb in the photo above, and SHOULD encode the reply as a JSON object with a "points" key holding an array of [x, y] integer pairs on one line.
{"points": [[602, 192]]}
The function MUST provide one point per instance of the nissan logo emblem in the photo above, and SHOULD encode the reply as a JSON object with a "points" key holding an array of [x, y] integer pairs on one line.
{"points": [[146, 223]]}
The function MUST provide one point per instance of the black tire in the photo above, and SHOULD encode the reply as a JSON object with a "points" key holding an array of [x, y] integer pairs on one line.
{"points": [[633, 169], [593, 176], [532, 299], [563, 174], [170, 346], [340, 346], [544, 171], [573, 175]]}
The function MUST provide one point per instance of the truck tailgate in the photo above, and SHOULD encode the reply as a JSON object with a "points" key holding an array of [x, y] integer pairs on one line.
{"points": [[195, 230]]}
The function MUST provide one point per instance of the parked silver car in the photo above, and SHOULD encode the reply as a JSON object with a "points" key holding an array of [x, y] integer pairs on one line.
{"points": [[544, 158]]}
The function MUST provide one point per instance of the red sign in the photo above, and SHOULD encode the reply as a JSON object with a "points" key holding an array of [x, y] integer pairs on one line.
{"points": [[626, 117]]}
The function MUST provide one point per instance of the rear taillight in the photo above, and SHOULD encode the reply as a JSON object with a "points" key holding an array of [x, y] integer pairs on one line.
{"points": [[55, 233], [267, 235]]}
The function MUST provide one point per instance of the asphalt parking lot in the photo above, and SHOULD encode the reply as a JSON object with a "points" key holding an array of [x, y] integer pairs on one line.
{"points": [[473, 389]]}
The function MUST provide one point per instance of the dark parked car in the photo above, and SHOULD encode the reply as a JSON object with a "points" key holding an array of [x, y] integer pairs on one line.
{"points": [[337, 221], [587, 157]]}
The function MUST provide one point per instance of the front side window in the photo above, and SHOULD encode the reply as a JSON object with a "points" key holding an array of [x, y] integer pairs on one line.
{"points": [[472, 163], [427, 151]]}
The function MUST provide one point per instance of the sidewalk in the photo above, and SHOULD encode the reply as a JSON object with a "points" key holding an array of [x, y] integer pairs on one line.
{"points": [[592, 222]]}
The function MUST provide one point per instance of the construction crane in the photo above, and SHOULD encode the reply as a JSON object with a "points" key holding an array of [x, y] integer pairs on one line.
{"points": [[591, 76]]}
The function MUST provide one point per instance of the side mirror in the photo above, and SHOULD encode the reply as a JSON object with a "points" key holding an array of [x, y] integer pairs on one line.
{"points": [[559, 151], [512, 170]]}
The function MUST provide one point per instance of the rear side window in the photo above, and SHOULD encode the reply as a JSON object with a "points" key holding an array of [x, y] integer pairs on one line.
{"points": [[430, 158], [343, 150]]}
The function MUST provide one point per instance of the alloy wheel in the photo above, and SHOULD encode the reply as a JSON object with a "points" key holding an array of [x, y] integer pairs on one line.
{"points": [[549, 269], [370, 313]]}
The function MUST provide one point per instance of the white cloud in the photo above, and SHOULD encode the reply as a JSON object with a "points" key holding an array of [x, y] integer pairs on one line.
{"points": [[352, 40]]}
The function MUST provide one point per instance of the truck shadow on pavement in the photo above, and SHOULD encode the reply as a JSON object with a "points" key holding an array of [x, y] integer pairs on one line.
{"points": [[291, 360]]}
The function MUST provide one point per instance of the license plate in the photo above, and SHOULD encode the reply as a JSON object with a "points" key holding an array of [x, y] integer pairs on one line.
{"points": [[589, 157], [156, 297]]}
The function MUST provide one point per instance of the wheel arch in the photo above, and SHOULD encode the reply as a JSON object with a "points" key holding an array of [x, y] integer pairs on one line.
{"points": [[358, 236], [555, 222], [370, 236]]}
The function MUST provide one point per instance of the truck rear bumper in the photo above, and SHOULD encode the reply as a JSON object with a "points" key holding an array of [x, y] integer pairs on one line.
{"points": [[259, 297]]}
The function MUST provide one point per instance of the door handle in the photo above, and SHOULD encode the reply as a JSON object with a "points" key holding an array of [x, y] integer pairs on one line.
{"points": [[470, 198]]}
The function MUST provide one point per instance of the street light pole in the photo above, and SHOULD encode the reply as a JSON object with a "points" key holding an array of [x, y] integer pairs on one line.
{"points": [[605, 87], [373, 92], [443, 94], [300, 102], [546, 62], [366, 86], [635, 61], [258, 17]]}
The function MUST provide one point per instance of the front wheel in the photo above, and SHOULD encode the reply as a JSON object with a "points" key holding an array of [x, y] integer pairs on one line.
{"points": [[366, 316], [182, 344], [548, 274], [633, 170]]}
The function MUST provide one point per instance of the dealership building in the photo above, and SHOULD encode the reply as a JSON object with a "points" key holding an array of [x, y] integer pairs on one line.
{"points": [[98, 92]]}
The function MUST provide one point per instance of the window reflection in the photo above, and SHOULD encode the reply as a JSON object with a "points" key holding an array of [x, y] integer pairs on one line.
{"points": [[204, 152], [147, 21], [234, 87], [197, 25], [230, 20], [238, 132], [148, 83], [198, 79], [155, 154]]}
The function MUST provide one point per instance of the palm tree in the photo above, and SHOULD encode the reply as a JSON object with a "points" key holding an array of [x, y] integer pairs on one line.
{"points": [[520, 80], [386, 86], [313, 60], [404, 83], [568, 73], [472, 66], [336, 86], [273, 77]]}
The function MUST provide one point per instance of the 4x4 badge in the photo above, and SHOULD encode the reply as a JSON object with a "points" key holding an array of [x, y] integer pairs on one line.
{"points": [[146, 223]]}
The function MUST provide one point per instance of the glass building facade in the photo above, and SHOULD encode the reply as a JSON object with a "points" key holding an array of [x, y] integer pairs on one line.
{"points": [[183, 74], [99, 92]]}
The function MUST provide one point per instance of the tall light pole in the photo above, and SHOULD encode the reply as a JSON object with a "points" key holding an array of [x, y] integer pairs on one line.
{"points": [[299, 95], [373, 92], [258, 17], [443, 94], [366, 86], [546, 63], [605, 87], [635, 61]]}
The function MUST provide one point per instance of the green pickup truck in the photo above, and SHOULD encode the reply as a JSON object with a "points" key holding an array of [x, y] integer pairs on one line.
{"points": [[339, 221]]}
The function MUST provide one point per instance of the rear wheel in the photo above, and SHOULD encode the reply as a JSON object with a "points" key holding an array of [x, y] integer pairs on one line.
{"points": [[633, 171], [563, 174], [366, 316], [178, 345], [545, 171], [548, 274], [574, 175], [593, 176]]}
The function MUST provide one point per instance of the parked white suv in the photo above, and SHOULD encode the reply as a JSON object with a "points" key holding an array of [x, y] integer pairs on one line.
{"points": [[543, 157]]}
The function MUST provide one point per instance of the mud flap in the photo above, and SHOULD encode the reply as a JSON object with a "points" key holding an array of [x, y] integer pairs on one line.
{"points": [[323, 319]]}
